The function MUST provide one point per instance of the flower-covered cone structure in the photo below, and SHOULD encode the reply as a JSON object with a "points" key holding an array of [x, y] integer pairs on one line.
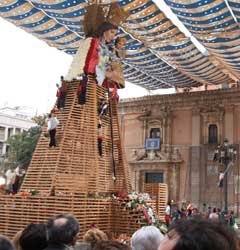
{"points": [[72, 177], [88, 163]]}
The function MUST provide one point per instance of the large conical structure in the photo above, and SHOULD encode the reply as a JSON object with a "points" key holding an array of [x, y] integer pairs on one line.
{"points": [[74, 165], [72, 177]]}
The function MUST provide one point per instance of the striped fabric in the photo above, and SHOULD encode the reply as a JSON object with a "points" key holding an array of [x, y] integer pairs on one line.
{"points": [[158, 54]]}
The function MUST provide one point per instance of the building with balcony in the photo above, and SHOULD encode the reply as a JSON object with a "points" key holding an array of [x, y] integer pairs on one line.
{"points": [[12, 121], [188, 127]]}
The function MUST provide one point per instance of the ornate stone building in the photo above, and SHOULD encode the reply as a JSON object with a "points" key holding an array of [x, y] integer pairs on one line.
{"points": [[188, 126]]}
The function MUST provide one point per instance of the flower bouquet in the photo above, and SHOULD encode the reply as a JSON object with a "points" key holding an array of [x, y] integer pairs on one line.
{"points": [[124, 238], [46, 135], [33, 192], [137, 200]]}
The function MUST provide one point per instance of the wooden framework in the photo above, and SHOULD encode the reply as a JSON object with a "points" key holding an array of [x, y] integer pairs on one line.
{"points": [[159, 192], [109, 215], [72, 176], [74, 165]]}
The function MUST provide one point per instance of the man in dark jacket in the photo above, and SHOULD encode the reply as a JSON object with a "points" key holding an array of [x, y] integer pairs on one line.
{"points": [[62, 232]]}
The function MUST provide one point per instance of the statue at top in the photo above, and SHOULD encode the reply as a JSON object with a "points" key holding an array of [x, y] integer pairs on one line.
{"points": [[97, 55]]}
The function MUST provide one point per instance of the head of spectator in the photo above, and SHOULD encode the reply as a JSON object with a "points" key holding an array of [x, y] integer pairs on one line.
{"points": [[110, 245], [146, 238], [6, 244], [62, 229], [238, 239], [94, 235], [199, 234], [15, 240], [33, 237], [195, 212]]}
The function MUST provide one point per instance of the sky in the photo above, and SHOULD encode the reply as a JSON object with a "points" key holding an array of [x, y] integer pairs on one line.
{"points": [[30, 69]]}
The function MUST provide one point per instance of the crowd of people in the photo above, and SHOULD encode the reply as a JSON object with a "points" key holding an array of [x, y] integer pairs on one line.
{"points": [[173, 213], [61, 233]]}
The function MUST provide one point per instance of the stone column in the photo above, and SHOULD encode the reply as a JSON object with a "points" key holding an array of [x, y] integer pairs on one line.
{"points": [[194, 157], [173, 171], [228, 124], [196, 127], [137, 180], [5, 139]]}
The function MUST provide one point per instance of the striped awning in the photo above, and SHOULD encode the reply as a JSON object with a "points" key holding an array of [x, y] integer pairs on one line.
{"points": [[216, 24], [158, 55]]}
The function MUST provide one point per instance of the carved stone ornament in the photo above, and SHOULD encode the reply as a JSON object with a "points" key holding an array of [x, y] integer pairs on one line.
{"points": [[156, 114]]}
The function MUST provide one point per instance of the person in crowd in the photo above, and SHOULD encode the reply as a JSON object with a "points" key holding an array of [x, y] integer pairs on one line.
{"points": [[10, 179], [19, 174], [199, 234], [231, 219], [6, 244], [177, 214], [189, 209], [62, 232], [168, 213], [146, 238], [15, 240], [214, 215], [111, 245], [195, 213], [94, 235], [151, 215], [238, 239], [183, 213], [61, 94], [33, 237], [209, 210], [222, 215], [52, 125]]}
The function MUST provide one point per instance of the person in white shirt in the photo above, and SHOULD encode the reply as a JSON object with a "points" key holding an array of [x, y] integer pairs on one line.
{"points": [[214, 215], [19, 173], [168, 213], [52, 125], [10, 179]]}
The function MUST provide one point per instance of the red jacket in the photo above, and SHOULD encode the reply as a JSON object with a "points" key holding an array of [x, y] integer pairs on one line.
{"points": [[92, 57]]}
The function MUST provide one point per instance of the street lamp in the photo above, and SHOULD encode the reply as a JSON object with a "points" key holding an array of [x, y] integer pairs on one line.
{"points": [[225, 154]]}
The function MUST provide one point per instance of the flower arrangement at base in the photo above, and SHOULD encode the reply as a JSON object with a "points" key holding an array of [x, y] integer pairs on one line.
{"points": [[33, 192], [30, 192], [123, 238], [46, 135], [137, 200]]}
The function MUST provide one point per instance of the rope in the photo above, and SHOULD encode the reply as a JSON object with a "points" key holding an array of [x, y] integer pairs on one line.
{"points": [[111, 130]]}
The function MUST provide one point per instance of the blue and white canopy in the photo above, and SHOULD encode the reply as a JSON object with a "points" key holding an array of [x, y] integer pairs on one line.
{"points": [[216, 24], [158, 55]]}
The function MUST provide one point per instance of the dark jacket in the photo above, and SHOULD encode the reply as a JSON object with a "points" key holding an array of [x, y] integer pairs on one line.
{"points": [[56, 246]]}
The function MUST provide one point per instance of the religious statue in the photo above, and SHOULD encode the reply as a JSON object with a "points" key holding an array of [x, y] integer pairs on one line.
{"points": [[97, 55]]}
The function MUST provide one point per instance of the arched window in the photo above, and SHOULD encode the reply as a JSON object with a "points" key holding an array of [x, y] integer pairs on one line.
{"points": [[155, 133], [212, 134]]}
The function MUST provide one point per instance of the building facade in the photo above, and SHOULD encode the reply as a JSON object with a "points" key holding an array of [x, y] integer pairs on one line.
{"points": [[12, 121], [186, 129]]}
